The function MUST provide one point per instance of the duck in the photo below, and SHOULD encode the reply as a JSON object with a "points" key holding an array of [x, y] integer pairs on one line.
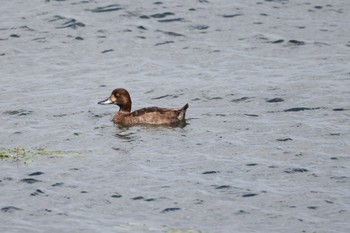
{"points": [[148, 115]]}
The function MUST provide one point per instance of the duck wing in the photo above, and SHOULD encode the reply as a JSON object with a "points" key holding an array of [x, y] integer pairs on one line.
{"points": [[156, 115]]}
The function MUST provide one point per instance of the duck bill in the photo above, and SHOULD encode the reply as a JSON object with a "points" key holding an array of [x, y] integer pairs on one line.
{"points": [[106, 101]]}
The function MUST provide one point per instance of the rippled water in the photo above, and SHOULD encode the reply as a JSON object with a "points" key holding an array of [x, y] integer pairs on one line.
{"points": [[266, 147]]}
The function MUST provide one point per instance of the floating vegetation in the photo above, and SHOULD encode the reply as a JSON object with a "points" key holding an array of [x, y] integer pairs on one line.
{"points": [[21, 154], [16, 153]]}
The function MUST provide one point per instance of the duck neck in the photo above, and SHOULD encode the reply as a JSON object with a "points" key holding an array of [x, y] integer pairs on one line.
{"points": [[125, 107]]}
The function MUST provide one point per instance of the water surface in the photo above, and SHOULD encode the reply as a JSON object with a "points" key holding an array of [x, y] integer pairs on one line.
{"points": [[266, 147]]}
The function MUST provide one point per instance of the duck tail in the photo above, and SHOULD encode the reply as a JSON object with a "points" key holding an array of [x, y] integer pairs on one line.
{"points": [[182, 113]]}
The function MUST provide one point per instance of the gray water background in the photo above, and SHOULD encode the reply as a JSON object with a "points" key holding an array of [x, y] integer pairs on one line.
{"points": [[266, 148]]}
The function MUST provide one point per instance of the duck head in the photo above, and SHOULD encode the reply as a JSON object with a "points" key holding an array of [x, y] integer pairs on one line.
{"points": [[119, 97]]}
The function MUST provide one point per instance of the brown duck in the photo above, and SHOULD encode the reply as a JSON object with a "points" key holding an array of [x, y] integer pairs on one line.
{"points": [[150, 115]]}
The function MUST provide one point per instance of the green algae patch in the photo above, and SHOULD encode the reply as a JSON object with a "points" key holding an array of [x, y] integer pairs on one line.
{"points": [[44, 152], [24, 155], [16, 153]]}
